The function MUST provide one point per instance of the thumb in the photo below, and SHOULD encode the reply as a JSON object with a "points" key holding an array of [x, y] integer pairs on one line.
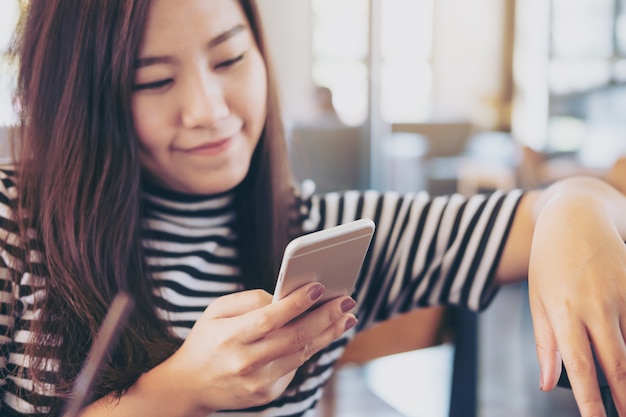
{"points": [[547, 350]]}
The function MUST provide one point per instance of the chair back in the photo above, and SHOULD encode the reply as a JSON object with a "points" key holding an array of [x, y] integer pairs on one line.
{"points": [[335, 157], [445, 139]]}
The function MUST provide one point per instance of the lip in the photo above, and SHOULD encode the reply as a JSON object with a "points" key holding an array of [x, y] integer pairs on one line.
{"points": [[211, 148]]}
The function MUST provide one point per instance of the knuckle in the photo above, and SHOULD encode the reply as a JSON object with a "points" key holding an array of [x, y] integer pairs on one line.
{"points": [[300, 336], [332, 333], [331, 316], [301, 304], [258, 390], [241, 367], [307, 352], [259, 297], [264, 323], [579, 365], [338, 330], [618, 372], [243, 371]]}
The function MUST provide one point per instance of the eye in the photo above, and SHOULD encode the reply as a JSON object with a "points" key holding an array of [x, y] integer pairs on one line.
{"points": [[230, 62], [155, 85]]}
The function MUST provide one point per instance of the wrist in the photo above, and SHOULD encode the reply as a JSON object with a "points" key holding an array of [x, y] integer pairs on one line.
{"points": [[585, 195], [573, 221], [166, 383], [162, 391]]}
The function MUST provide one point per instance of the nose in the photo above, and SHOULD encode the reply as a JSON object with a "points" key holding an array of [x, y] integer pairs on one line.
{"points": [[203, 102]]}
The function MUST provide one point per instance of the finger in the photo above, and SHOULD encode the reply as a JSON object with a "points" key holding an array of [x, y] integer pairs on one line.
{"points": [[304, 333], [259, 323], [293, 360], [581, 370], [619, 390], [239, 303], [288, 347], [547, 350], [611, 354]]}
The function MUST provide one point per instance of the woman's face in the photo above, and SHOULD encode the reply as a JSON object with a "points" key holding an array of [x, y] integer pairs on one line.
{"points": [[200, 96]]}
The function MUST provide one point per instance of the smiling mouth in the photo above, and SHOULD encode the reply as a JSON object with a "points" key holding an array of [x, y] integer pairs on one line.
{"points": [[211, 148]]}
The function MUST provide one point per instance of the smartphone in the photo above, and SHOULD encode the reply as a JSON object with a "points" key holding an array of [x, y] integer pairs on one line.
{"points": [[332, 257]]}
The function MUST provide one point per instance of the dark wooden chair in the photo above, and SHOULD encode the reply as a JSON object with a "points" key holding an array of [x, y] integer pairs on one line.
{"points": [[437, 325]]}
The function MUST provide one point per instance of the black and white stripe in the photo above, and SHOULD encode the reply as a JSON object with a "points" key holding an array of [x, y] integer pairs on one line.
{"points": [[426, 251], [190, 247]]}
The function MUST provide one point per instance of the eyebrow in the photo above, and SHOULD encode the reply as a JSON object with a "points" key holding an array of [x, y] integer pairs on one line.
{"points": [[219, 39]]}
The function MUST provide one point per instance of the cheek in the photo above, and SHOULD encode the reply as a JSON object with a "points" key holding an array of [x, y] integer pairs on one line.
{"points": [[262, 102], [146, 121], [255, 95], [257, 101]]}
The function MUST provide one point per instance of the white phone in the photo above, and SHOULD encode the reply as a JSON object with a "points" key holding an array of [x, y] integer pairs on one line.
{"points": [[332, 257]]}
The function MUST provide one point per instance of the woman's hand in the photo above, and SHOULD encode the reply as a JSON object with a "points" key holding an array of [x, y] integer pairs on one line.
{"points": [[244, 350], [577, 285]]}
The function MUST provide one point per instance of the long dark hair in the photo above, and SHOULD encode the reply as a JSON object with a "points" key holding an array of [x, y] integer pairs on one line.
{"points": [[78, 178]]}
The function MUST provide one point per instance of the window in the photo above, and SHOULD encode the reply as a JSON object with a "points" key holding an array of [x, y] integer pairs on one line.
{"points": [[406, 47], [341, 32], [620, 39], [582, 44], [9, 14], [340, 51], [620, 29]]}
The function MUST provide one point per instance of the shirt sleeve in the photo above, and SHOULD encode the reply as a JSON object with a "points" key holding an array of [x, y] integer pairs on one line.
{"points": [[426, 250], [19, 395], [7, 290]]}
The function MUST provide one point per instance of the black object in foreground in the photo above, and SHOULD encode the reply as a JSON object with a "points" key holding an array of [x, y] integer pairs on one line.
{"points": [[105, 340], [605, 391]]}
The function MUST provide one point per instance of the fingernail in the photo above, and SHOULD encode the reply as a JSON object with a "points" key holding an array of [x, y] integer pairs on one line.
{"points": [[540, 381], [347, 305], [316, 291], [350, 323]]}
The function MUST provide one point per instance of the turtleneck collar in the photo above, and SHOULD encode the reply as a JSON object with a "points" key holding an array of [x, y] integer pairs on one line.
{"points": [[188, 210]]}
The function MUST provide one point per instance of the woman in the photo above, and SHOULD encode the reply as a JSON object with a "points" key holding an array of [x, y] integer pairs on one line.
{"points": [[152, 160]]}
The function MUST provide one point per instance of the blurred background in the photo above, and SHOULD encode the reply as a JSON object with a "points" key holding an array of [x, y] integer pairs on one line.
{"points": [[512, 83], [452, 96], [444, 96]]}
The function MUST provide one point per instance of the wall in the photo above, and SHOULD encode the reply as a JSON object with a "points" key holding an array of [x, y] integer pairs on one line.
{"points": [[288, 28], [467, 56], [530, 109]]}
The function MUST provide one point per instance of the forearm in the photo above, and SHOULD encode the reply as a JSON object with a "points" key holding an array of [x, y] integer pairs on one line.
{"points": [[576, 288], [156, 393], [587, 205]]}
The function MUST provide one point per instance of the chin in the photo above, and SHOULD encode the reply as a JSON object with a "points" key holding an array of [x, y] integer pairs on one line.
{"points": [[226, 183], [203, 181]]}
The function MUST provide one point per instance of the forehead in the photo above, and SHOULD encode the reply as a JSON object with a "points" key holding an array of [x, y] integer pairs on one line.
{"points": [[175, 22]]}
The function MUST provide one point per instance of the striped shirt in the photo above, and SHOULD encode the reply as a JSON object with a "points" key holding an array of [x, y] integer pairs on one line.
{"points": [[426, 251]]}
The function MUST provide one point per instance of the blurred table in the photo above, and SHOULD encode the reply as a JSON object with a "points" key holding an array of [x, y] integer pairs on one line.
{"points": [[489, 163]]}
